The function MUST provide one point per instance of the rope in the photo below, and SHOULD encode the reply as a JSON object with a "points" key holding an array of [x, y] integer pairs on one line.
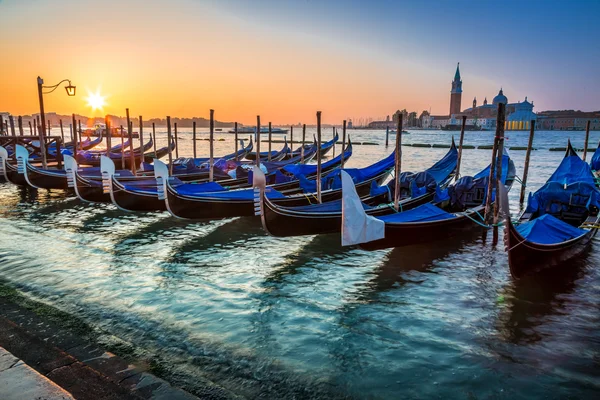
{"points": [[392, 207]]}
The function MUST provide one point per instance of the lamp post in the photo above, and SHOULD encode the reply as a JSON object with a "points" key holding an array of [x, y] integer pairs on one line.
{"points": [[70, 92]]}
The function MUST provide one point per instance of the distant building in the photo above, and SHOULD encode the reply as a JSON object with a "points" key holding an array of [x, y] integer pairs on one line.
{"points": [[456, 92], [388, 123], [567, 120]]}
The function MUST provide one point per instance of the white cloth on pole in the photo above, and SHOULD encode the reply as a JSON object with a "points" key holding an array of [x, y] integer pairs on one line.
{"points": [[357, 226]]}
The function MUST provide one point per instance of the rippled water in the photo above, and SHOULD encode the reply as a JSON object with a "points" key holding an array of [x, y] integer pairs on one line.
{"points": [[303, 317]]}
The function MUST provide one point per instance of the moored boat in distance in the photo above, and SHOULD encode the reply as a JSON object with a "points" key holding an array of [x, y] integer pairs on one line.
{"points": [[250, 129]]}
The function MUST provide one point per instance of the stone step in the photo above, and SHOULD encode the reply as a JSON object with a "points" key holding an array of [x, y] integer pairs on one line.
{"points": [[19, 381], [83, 369]]}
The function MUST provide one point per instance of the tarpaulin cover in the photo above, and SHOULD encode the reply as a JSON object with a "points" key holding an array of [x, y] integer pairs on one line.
{"points": [[422, 183], [243, 194], [553, 198], [429, 178], [310, 169], [595, 163], [485, 173], [333, 179], [445, 166], [548, 230], [188, 189], [572, 169], [330, 206], [147, 185], [423, 213]]}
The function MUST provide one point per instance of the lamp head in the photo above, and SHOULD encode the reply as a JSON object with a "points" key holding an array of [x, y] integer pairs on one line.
{"points": [[70, 89]]}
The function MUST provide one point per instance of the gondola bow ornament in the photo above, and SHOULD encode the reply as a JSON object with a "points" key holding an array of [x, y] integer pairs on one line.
{"points": [[357, 226]]}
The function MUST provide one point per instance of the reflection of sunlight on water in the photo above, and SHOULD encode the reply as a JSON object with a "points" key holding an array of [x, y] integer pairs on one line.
{"points": [[225, 297]]}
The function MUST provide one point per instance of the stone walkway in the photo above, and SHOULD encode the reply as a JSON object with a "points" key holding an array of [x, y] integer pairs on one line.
{"points": [[18, 381], [53, 358]]}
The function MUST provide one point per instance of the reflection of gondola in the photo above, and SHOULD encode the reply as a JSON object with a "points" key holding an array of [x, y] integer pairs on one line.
{"points": [[532, 300], [420, 257]]}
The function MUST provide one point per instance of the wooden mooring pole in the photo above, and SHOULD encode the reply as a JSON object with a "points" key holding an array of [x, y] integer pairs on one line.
{"points": [[211, 163], [108, 135], [20, 124], [74, 133], [176, 141], [460, 147], [62, 132], [141, 122], [498, 182], [587, 138], [398, 164], [258, 140], [123, 148], [270, 139], [131, 149], [319, 156], [499, 128], [343, 141], [333, 129], [235, 141], [11, 119], [194, 139], [303, 140], [169, 140], [154, 139], [526, 167]]}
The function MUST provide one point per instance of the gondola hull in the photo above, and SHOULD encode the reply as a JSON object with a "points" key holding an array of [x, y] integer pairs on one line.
{"points": [[13, 176], [46, 179], [283, 222], [525, 257], [406, 234], [208, 208], [90, 190], [128, 200]]}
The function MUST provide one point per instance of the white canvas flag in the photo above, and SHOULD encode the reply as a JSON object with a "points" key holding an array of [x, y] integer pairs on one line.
{"points": [[357, 226]]}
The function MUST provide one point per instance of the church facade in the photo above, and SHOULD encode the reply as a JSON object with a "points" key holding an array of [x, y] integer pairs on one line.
{"points": [[518, 115]]}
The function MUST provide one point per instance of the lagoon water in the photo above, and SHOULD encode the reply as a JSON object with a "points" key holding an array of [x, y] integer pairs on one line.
{"points": [[305, 318]]}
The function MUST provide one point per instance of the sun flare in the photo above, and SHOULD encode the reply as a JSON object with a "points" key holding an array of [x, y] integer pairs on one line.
{"points": [[95, 100]]}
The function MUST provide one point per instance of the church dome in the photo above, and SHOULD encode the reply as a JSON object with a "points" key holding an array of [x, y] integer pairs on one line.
{"points": [[500, 98]]}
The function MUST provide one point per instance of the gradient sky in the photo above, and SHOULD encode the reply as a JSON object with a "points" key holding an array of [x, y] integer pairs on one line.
{"points": [[286, 59]]}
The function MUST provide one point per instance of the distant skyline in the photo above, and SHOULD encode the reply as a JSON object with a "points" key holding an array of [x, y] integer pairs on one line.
{"points": [[285, 60]]}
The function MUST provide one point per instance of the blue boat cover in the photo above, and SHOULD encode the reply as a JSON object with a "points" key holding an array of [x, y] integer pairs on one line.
{"points": [[188, 189], [554, 198], [310, 169], [242, 194], [333, 179], [572, 169], [548, 230], [441, 169], [595, 163], [423, 213], [422, 182], [330, 206], [485, 173]]}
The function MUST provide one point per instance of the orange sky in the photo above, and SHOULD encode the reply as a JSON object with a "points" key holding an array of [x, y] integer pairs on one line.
{"points": [[183, 57]]}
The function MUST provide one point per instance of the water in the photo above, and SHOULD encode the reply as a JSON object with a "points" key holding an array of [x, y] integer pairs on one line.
{"points": [[303, 317]]}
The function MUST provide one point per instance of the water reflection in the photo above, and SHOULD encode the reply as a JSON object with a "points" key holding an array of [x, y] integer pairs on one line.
{"points": [[533, 300]]}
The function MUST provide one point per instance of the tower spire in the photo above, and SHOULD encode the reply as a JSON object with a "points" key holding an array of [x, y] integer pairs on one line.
{"points": [[457, 74]]}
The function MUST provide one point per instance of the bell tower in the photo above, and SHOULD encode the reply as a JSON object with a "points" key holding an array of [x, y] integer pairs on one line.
{"points": [[456, 92], [474, 102]]}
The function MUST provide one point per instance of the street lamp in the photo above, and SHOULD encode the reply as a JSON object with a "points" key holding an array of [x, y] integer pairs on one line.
{"points": [[70, 92]]}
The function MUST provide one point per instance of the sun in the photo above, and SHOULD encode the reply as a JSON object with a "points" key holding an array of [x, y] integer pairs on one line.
{"points": [[95, 100]]}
